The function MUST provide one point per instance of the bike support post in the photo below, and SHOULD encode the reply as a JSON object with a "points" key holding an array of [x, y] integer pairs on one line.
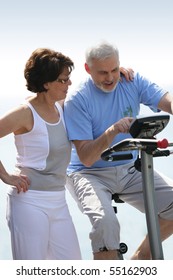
{"points": [[150, 206]]}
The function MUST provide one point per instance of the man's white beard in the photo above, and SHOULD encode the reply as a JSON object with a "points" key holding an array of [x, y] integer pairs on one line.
{"points": [[107, 91]]}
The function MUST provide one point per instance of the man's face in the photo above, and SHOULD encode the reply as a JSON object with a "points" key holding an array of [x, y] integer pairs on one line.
{"points": [[105, 73]]}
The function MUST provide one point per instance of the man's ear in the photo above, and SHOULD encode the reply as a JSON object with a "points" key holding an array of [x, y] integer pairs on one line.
{"points": [[87, 68]]}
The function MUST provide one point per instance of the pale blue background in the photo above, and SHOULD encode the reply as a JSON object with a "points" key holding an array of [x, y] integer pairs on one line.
{"points": [[142, 31]]}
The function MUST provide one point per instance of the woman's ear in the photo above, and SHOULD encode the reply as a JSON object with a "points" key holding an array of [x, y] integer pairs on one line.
{"points": [[87, 68], [46, 86]]}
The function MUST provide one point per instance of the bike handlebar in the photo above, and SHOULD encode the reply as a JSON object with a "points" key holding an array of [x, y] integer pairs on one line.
{"points": [[136, 144]]}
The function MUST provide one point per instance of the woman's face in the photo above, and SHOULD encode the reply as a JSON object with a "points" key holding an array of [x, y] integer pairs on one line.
{"points": [[58, 89]]}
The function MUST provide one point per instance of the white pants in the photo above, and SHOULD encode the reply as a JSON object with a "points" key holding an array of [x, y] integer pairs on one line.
{"points": [[41, 226]]}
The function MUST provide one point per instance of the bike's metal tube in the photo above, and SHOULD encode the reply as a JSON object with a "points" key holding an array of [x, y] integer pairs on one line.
{"points": [[150, 206], [170, 145]]}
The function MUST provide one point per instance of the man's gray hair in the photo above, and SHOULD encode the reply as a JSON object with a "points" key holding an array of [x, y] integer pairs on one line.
{"points": [[101, 51]]}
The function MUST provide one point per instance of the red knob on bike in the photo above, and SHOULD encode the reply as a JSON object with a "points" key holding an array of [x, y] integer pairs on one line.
{"points": [[162, 144]]}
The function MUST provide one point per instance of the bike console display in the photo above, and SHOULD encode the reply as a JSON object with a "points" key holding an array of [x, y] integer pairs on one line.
{"points": [[148, 127], [143, 129]]}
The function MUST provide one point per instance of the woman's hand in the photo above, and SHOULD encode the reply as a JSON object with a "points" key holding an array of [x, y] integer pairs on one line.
{"points": [[21, 182], [128, 73]]}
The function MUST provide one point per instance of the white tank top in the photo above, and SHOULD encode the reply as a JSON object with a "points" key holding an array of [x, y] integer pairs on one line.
{"points": [[43, 154]]}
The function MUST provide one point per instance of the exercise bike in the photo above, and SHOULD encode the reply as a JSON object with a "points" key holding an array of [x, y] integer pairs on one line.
{"points": [[143, 130]]}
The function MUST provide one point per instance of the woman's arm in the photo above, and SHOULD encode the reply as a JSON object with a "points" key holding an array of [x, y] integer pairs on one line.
{"points": [[15, 121], [21, 182]]}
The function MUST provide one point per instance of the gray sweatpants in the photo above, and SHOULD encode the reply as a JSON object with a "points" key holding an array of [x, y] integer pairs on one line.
{"points": [[93, 189]]}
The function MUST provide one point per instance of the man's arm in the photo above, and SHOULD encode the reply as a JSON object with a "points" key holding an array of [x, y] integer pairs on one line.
{"points": [[166, 103], [89, 151]]}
